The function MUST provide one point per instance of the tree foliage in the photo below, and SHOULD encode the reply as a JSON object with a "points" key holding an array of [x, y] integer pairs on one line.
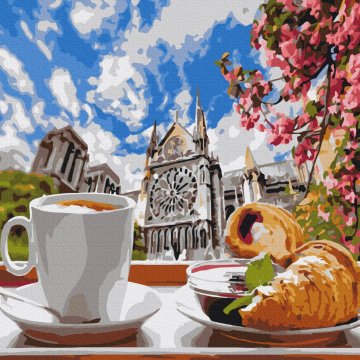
{"points": [[17, 189], [316, 46]]}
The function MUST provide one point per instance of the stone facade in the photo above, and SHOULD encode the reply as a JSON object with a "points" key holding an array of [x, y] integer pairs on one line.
{"points": [[281, 183], [63, 155], [181, 210], [101, 178], [185, 199]]}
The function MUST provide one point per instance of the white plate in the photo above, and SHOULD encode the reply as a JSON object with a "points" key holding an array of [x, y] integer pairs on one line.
{"points": [[140, 303], [188, 305]]}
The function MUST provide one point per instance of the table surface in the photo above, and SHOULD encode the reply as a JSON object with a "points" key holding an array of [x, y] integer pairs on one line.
{"points": [[168, 333], [171, 333]]}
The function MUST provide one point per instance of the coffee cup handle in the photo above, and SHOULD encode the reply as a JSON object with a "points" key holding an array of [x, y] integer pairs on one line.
{"points": [[10, 265]]}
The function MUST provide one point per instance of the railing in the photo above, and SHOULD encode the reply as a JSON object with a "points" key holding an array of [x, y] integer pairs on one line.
{"points": [[150, 273]]}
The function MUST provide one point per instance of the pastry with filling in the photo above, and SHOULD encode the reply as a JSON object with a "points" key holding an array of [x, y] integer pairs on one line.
{"points": [[258, 227], [321, 288]]}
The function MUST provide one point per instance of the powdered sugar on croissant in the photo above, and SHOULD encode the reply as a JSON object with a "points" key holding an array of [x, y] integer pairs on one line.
{"points": [[320, 289]]}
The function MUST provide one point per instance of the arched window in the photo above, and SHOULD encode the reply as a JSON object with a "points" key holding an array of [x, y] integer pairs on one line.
{"points": [[229, 210], [71, 172], [203, 238], [154, 242], [167, 238], [69, 151], [49, 150]]}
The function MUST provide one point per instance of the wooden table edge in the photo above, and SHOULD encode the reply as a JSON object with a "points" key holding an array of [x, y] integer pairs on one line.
{"points": [[183, 353], [145, 273]]}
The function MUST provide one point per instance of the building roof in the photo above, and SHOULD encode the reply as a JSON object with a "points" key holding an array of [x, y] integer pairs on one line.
{"points": [[69, 129], [273, 172], [104, 168], [280, 171]]}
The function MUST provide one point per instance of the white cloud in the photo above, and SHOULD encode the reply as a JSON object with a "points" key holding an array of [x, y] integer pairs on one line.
{"points": [[229, 141], [58, 122], [46, 25], [63, 88], [182, 103], [92, 15], [55, 4], [89, 111], [101, 146], [13, 113], [15, 153], [101, 143], [44, 49], [37, 111], [142, 139], [130, 168], [183, 25], [48, 122], [184, 19], [120, 90], [15, 69], [25, 28]]}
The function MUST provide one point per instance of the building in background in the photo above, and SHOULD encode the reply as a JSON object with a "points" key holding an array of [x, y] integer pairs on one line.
{"points": [[185, 200], [63, 155], [281, 183], [101, 178], [181, 210]]}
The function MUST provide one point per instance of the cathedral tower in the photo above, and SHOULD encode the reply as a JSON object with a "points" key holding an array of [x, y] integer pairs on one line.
{"points": [[182, 195], [200, 133], [253, 182]]}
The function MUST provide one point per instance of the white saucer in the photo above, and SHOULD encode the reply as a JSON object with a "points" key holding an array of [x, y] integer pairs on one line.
{"points": [[140, 303], [189, 306]]}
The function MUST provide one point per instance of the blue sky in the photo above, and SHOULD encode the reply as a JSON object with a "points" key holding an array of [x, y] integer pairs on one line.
{"points": [[111, 68]]}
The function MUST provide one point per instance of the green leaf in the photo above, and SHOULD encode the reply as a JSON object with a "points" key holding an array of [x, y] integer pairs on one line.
{"points": [[259, 272], [238, 303], [218, 63], [311, 108]]}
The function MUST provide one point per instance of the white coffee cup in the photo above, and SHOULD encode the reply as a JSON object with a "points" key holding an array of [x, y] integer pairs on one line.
{"points": [[80, 255]]}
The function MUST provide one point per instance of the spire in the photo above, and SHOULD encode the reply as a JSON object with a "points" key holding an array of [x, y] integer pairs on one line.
{"points": [[200, 135], [198, 98], [195, 134], [200, 118], [153, 142], [249, 159], [176, 119]]}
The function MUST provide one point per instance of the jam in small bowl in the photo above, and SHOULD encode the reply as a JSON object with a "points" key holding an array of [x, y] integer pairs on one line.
{"points": [[217, 283]]}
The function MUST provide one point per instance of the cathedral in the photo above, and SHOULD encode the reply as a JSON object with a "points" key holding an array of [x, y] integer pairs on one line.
{"points": [[185, 199], [63, 155], [181, 197]]}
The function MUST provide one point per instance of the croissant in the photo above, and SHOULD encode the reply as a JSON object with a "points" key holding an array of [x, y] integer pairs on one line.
{"points": [[258, 227], [321, 288]]}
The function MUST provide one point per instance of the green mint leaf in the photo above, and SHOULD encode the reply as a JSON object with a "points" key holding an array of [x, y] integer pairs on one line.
{"points": [[238, 303], [259, 272]]}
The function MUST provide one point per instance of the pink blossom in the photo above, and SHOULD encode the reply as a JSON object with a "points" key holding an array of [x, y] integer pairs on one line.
{"points": [[304, 151], [351, 197], [282, 131], [349, 119], [330, 182], [323, 215]]}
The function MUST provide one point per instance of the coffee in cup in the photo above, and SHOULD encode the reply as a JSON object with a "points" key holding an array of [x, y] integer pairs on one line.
{"points": [[97, 206], [81, 247]]}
